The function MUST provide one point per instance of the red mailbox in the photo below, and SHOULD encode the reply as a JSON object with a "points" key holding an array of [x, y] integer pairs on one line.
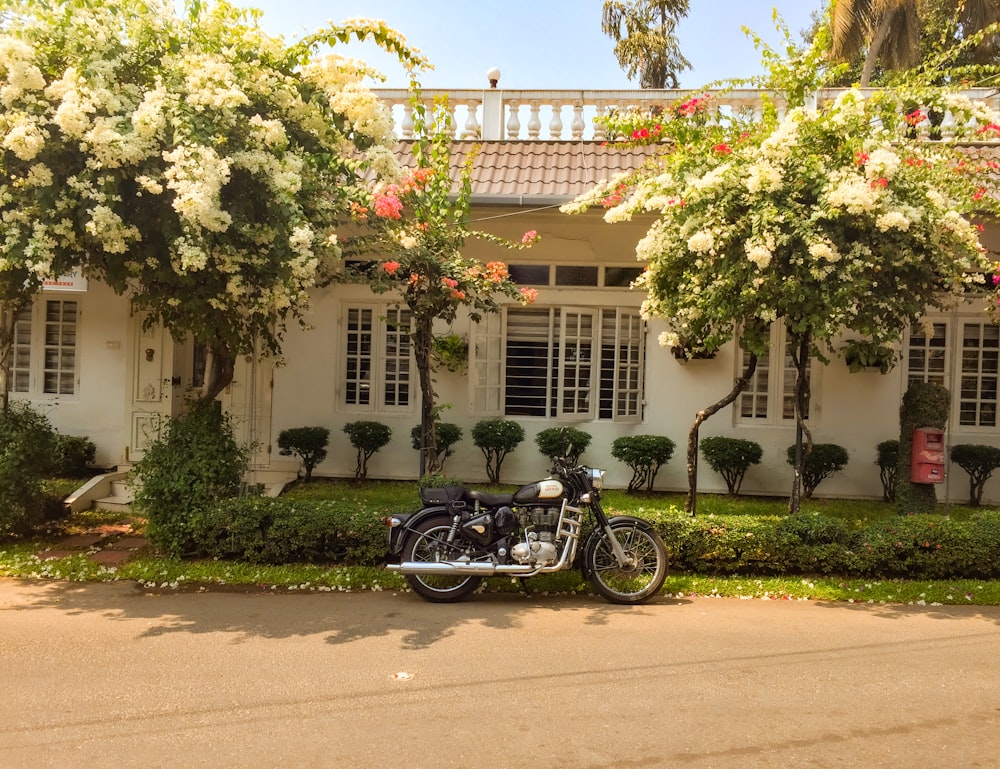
{"points": [[927, 462]]}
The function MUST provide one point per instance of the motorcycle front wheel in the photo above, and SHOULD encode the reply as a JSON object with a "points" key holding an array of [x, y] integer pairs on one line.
{"points": [[428, 542], [635, 582]]}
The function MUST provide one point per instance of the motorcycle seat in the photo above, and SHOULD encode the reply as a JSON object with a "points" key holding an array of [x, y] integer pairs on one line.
{"points": [[491, 500]]}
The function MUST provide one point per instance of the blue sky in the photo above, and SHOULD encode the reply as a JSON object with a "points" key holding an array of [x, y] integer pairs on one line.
{"points": [[548, 44]]}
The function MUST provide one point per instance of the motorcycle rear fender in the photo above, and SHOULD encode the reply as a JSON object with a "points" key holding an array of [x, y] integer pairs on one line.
{"points": [[408, 521]]}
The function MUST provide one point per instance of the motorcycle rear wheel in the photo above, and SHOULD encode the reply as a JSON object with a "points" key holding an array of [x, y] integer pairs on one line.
{"points": [[429, 542], [635, 583]]}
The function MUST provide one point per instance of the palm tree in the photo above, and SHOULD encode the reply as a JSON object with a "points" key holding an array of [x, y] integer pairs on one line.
{"points": [[888, 32], [645, 43]]}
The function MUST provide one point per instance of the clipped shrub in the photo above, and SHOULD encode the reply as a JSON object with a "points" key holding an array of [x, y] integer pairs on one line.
{"points": [[367, 437], [307, 443], [73, 456], [731, 458], [27, 447], [824, 460], [645, 455], [278, 530], [887, 459], [496, 438], [563, 443], [195, 463], [437, 481], [446, 435], [979, 462]]}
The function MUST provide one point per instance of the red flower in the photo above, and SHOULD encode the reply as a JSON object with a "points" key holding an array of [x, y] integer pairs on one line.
{"points": [[390, 267], [860, 158], [978, 194], [883, 183], [722, 149], [449, 282]]}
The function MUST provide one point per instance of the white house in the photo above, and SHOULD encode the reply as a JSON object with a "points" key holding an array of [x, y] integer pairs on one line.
{"points": [[580, 355]]}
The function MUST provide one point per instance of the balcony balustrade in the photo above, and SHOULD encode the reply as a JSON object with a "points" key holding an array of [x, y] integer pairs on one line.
{"points": [[497, 114]]}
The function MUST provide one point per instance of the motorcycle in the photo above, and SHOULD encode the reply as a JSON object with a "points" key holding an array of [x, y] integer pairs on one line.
{"points": [[460, 536]]}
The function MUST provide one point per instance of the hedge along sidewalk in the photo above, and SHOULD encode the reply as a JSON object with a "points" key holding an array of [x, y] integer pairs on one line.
{"points": [[723, 553]]}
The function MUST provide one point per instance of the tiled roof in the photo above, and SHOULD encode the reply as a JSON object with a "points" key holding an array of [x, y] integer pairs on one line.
{"points": [[531, 172]]}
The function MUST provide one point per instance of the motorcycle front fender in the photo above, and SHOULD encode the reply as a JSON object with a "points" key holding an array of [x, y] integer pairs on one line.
{"points": [[598, 532]]}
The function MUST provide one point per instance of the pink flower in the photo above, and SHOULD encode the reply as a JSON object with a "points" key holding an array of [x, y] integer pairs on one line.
{"points": [[449, 282], [388, 206], [390, 267], [529, 237], [529, 295]]}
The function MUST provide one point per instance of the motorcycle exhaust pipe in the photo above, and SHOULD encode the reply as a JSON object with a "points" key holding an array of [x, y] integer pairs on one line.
{"points": [[456, 567]]}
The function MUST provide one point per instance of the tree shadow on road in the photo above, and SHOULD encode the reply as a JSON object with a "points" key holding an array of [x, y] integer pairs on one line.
{"points": [[341, 618]]}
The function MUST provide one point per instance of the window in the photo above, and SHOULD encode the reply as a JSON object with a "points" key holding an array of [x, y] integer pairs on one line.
{"points": [[568, 363], [971, 359], [770, 395], [44, 353], [376, 357]]}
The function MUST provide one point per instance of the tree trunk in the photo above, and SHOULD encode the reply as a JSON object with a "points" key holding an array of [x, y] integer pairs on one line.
{"points": [[220, 368], [692, 452], [800, 357], [423, 338], [871, 56]]}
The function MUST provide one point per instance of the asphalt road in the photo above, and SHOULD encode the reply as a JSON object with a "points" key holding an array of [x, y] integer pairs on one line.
{"points": [[112, 675]]}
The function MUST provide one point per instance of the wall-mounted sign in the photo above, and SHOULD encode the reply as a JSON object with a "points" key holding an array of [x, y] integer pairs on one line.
{"points": [[71, 281]]}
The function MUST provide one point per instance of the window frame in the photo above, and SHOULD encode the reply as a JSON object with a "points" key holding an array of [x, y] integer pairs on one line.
{"points": [[778, 392], [949, 355], [388, 369], [579, 384], [33, 339]]}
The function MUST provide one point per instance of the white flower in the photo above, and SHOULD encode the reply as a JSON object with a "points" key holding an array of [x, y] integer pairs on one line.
{"points": [[25, 139], [701, 242], [892, 220], [763, 176]]}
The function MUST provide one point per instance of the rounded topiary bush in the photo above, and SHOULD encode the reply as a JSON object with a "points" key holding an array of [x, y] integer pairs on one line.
{"points": [[731, 458], [645, 455], [566, 443], [496, 438]]}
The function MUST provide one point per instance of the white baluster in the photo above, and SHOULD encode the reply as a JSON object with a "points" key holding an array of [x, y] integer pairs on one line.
{"points": [[556, 124], [577, 127], [513, 123], [406, 128], [534, 122], [600, 130], [471, 124]]}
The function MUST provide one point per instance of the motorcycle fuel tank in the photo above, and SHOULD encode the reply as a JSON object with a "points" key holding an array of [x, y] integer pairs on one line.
{"points": [[548, 489]]}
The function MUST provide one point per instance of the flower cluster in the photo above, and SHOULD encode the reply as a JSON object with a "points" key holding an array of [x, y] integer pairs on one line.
{"points": [[833, 218], [195, 147]]}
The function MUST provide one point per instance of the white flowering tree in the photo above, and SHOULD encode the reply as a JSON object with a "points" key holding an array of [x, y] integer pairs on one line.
{"points": [[824, 218], [194, 163]]}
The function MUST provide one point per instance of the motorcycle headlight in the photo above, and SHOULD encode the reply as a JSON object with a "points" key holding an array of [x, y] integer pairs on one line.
{"points": [[596, 478]]}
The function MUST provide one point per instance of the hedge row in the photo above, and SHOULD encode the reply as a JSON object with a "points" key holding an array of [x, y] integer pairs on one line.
{"points": [[275, 531]]}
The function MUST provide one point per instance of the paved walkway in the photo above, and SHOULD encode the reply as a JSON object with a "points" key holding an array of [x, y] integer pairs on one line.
{"points": [[107, 545]]}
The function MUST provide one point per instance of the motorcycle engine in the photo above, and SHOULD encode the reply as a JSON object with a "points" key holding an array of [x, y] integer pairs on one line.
{"points": [[538, 546]]}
